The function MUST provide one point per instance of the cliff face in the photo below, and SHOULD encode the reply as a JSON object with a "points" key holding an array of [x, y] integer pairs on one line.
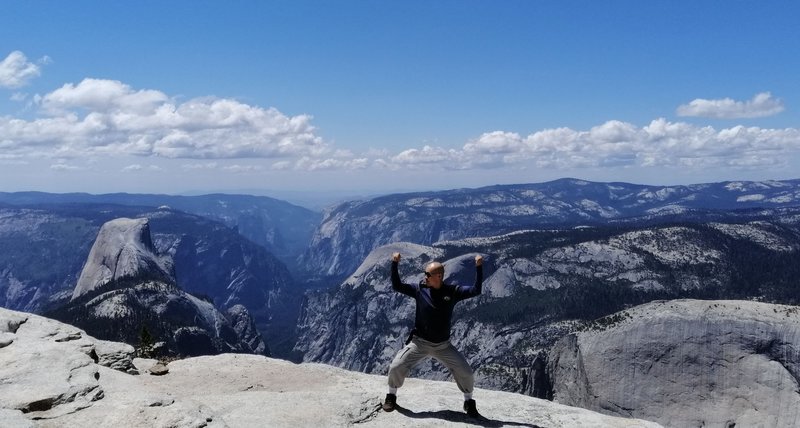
{"points": [[125, 288], [540, 285], [45, 250], [123, 248], [686, 363]]}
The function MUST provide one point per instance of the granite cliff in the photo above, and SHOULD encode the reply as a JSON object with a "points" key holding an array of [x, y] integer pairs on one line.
{"points": [[686, 363], [125, 289]]}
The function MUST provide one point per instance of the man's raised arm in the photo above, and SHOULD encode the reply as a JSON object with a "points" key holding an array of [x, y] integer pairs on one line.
{"points": [[397, 283], [467, 292]]}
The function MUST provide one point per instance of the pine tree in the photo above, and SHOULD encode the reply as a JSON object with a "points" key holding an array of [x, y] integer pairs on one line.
{"points": [[145, 348]]}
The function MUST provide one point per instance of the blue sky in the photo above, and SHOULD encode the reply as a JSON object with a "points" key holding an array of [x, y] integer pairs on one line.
{"points": [[378, 96]]}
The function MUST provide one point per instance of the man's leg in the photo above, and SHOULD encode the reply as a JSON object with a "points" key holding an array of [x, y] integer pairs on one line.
{"points": [[462, 373], [458, 366], [407, 358]]}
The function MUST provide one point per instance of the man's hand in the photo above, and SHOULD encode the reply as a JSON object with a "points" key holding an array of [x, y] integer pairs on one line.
{"points": [[478, 260], [396, 257]]}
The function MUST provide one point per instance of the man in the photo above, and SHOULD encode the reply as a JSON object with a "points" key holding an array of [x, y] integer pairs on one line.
{"points": [[431, 334]]}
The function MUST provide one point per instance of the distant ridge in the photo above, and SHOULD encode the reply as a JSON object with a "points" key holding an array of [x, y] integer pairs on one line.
{"points": [[282, 228], [349, 231]]}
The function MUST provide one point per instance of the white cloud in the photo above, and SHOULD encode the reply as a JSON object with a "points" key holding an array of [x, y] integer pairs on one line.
{"points": [[199, 166], [132, 168], [16, 71], [281, 166], [762, 105], [613, 144], [109, 118], [497, 142], [102, 96], [241, 169], [427, 157], [64, 167], [311, 164], [100, 119], [138, 168]]}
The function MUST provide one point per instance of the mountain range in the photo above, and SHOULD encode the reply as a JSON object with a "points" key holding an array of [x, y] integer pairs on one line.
{"points": [[349, 231], [282, 228], [572, 269], [540, 285], [45, 250], [127, 289]]}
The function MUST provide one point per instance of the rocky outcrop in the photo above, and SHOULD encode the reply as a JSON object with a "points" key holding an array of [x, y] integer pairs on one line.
{"points": [[123, 248], [52, 369], [686, 363], [126, 289], [245, 327], [47, 383], [44, 251]]}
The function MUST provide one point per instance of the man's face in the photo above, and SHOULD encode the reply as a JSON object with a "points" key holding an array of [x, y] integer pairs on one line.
{"points": [[433, 277]]}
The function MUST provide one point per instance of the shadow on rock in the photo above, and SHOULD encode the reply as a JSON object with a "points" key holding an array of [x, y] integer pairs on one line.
{"points": [[460, 417]]}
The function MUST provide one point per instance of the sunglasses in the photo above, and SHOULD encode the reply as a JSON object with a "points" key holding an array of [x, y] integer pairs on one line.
{"points": [[428, 274]]}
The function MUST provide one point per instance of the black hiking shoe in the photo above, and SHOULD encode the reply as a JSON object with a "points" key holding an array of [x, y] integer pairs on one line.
{"points": [[469, 407], [389, 403]]}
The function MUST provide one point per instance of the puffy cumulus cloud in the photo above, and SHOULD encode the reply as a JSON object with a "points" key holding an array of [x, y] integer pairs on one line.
{"points": [[762, 105], [425, 157], [109, 118], [497, 142], [614, 144], [16, 71], [102, 96]]}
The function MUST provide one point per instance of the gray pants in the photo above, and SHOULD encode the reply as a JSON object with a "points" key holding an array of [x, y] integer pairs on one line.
{"points": [[418, 349]]}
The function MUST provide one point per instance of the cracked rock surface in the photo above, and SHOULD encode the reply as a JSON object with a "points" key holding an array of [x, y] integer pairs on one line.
{"points": [[49, 383]]}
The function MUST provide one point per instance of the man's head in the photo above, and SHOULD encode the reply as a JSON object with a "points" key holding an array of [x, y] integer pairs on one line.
{"points": [[434, 274]]}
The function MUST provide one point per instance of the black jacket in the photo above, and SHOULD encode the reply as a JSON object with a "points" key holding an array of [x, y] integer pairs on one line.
{"points": [[435, 306]]}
